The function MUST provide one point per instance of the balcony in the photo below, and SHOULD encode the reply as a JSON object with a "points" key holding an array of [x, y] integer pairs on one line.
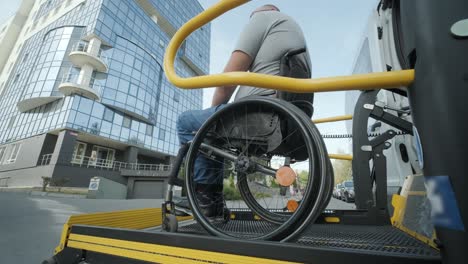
{"points": [[69, 85], [80, 56], [126, 169], [33, 102]]}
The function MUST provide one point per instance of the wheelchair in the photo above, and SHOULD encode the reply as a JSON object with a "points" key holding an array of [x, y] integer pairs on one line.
{"points": [[272, 159], [274, 164]]}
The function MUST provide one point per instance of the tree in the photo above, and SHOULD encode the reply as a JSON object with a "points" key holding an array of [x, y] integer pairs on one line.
{"points": [[342, 170], [45, 182]]}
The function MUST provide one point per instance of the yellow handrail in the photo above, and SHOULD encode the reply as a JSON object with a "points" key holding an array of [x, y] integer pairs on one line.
{"points": [[332, 119], [340, 156], [369, 81]]}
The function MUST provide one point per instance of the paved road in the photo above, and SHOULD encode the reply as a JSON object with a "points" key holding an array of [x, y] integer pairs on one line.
{"points": [[30, 226], [337, 204]]}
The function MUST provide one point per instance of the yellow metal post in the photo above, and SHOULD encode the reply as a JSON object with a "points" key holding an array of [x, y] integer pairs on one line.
{"points": [[333, 119], [340, 156]]}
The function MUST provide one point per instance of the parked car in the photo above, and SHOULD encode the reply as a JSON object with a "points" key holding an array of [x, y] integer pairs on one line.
{"points": [[347, 191], [336, 191]]}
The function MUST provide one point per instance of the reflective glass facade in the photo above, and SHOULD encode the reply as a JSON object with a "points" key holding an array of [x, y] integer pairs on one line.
{"points": [[51, 62], [137, 105], [45, 8]]}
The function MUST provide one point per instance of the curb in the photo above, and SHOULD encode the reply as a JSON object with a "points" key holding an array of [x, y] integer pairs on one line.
{"points": [[19, 190], [31, 192], [58, 195]]}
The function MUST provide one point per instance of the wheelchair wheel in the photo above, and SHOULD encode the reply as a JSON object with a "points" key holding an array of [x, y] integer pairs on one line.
{"points": [[246, 143], [247, 185]]}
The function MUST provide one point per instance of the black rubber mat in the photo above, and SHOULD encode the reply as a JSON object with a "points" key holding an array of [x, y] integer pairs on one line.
{"points": [[370, 239]]}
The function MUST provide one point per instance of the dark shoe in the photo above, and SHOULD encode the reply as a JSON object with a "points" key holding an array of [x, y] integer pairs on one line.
{"points": [[208, 204], [210, 199], [211, 205]]}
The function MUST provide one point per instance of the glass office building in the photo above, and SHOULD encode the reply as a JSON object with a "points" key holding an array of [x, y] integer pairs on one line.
{"points": [[83, 84]]}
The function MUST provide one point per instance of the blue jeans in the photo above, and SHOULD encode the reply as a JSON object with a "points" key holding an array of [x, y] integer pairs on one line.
{"points": [[206, 171]]}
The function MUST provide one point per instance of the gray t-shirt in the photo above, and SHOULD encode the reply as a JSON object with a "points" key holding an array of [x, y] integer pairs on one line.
{"points": [[268, 36]]}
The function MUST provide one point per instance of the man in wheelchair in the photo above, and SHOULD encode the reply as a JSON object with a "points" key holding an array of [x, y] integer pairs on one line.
{"points": [[271, 43]]}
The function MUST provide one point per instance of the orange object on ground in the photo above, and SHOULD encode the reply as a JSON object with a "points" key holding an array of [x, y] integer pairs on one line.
{"points": [[292, 205]]}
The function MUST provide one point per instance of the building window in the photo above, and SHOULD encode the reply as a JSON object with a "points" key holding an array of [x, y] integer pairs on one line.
{"points": [[102, 157], [2, 153], [149, 130], [78, 153], [162, 134], [176, 96], [127, 122], [16, 78], [108, 115], [14, 153], [11, 122], [25, 57]]}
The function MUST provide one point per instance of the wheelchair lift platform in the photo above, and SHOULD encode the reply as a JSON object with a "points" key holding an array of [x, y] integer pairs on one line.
{"points": [[135, 236], [360, 236]]}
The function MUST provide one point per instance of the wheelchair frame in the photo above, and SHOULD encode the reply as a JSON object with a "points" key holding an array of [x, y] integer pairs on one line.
{"points": [[324, 186]]}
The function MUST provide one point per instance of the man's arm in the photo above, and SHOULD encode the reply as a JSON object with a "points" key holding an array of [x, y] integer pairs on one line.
{"points": [[239, 61]]}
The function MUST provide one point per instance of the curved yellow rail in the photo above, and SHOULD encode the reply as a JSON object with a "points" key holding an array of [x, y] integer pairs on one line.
{"points": [[332, 119], [341, 157], [355, 82]]}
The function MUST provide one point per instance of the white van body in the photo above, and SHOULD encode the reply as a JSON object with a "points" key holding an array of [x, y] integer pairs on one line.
{"points": [[377, 53]]}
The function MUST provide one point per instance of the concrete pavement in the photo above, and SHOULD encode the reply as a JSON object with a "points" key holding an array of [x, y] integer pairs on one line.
{"points": [[30, 226]]}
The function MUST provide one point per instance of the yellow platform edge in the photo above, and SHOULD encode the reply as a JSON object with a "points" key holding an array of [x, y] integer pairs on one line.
{"points": [[137, 219]]}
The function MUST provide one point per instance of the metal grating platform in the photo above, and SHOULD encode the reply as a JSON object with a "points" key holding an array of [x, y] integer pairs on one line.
{"points": [[239, 228], [366, 239]]}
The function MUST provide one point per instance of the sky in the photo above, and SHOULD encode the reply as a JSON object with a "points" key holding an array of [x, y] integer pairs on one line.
{"points": [[333, 30]]}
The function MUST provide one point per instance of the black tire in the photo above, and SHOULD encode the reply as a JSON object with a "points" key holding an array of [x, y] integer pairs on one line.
{"points": [[317, 190]]}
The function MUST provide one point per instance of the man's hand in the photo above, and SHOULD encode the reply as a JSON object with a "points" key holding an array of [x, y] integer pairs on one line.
{"points": [[239, 61]]}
